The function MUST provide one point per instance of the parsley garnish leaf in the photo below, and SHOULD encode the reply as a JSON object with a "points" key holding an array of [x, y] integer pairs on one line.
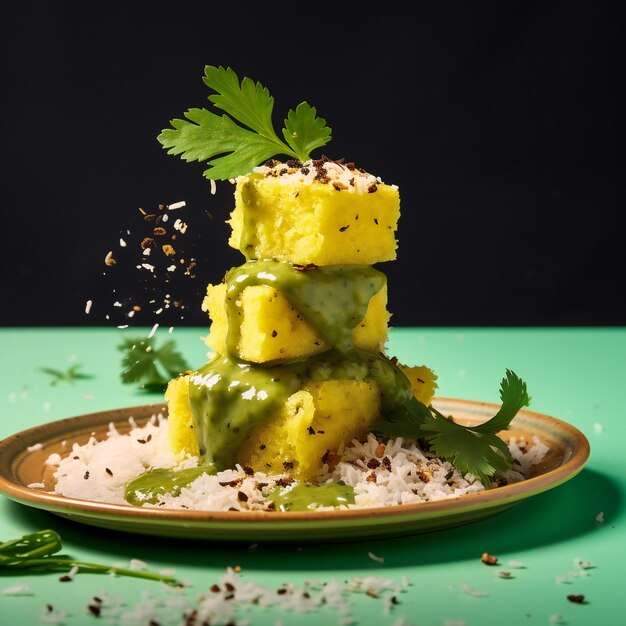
{"points": [[249, 103], [233, 149], [475, 450], [304, 131], [150, 366]]}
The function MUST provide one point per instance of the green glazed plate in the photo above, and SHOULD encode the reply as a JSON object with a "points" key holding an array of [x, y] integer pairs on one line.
{"points": [[569, 451]]}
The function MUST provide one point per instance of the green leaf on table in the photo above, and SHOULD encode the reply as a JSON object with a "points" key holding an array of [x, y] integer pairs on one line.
{"points": [[230, 148], [70, 375], [149, 366]]}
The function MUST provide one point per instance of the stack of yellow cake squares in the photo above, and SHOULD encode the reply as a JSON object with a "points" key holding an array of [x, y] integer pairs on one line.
{"points": [[311, 221]]}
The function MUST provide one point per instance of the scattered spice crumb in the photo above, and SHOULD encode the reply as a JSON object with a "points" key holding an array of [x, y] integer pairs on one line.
{"points": [[577, 598]]}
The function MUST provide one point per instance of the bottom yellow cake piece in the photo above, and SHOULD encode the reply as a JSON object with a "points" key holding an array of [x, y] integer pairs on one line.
{"points": [[313, 425]]}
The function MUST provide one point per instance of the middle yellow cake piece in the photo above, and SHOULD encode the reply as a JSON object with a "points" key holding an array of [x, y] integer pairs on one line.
{"points": [[272, 329]]}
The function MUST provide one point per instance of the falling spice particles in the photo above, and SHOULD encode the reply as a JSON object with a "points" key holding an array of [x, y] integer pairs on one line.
{"points": [[150, 264]]}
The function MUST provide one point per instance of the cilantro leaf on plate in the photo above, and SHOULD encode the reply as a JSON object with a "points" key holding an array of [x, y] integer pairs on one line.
{"points": [[151, 367], [472, 449], [230, 148]]}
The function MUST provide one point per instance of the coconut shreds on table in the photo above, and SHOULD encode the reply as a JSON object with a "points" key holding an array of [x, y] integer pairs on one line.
{"points": [[235, 599], [100, 470]]}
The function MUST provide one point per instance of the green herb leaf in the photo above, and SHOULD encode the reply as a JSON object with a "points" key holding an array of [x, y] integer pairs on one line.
{"points": [[472, 449], [204, 136], [304, 131], [34, 552], [148, 365], [70, 375]]}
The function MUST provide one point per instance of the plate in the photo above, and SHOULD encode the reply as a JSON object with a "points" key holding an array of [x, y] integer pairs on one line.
{"points": [[569, 451]]}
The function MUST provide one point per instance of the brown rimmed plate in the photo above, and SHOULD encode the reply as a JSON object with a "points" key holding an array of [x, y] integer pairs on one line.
{"points": [[569, 451]]}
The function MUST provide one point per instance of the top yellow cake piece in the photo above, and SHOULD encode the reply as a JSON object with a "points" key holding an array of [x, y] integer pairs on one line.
{"points": [[319, 213]]}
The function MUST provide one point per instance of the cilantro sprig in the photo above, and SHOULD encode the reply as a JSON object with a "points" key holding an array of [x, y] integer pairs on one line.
{"points": [[232, 149], [150, 367], [36, 552], [70, 375], [472, 449]]}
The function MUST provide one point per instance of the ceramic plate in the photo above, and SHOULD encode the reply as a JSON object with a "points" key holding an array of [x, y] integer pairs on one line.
{"points": [[569, 451]]}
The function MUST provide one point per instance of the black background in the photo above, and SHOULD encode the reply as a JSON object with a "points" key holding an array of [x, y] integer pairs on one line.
{"points": [[501, 122]]}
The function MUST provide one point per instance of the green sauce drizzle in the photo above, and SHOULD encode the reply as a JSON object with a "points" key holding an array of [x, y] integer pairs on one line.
{"points": [[147, 487], [228, 397], [333, 300], [307, 497]]}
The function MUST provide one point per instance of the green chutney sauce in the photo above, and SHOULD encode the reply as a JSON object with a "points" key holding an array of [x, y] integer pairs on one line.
{"points": [[147, 487], [229, 397], [307, 497]]}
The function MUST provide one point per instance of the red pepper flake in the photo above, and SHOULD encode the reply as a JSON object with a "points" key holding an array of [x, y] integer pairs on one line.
{"points": [[229, 587], [159, 231], [380, 450], [94, 609], [371, 478], [489, 559], [577, 599], [372, 188], [282, 591], [274, 333], [311, 430], [387, 463], [86, 476], [108, 471], [148, 242], [65, 579], [248, 471], [241, 496], [339, 186], [215, 588], [343, 229], [373, 463]]}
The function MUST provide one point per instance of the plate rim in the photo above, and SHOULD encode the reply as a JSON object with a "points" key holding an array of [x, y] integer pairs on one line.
{"points": [[74, 507]]}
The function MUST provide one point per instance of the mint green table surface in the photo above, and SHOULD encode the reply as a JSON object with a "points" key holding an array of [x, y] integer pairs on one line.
{"points": [[578, 375]]}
